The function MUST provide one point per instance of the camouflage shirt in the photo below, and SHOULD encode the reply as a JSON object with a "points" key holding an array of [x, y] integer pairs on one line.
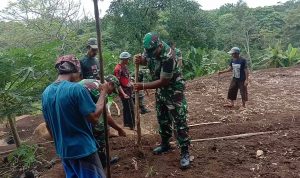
{"points": [[166, 65]]}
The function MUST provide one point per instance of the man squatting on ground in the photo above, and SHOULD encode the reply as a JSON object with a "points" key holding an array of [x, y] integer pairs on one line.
{"points": [[171, 105], [238, 66]]}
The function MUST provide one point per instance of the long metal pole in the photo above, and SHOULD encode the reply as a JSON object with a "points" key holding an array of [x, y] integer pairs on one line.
{"points": [[101, 73]]}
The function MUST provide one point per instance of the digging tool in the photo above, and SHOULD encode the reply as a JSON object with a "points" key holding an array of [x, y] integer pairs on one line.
{"points": [[137, 109], [101, 74]]}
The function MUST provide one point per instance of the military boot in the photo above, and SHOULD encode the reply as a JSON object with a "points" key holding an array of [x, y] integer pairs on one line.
{"points": [[162, 148], [144, 110], [185, 158]]}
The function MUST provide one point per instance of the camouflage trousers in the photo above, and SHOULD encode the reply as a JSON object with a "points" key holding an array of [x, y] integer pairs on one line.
{"points": [[171, 107], [99, 133]]}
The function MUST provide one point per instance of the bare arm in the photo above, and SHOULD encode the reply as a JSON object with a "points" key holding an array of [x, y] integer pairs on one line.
{"points": [[139, 59], [94, 117], [225, 71], [115, 126], [123, 93], [247, 73]]}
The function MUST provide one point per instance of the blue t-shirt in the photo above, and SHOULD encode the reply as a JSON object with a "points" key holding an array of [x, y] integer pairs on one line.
{"points": [[65, 108], [238, 68]]}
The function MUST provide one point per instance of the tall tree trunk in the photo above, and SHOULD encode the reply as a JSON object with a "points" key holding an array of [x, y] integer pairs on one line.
{"points": [[14, 131], [247, 48]]}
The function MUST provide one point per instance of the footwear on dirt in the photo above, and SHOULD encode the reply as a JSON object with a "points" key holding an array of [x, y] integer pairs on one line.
{"points": [[185, 158], [144, 110], [162, 148]]}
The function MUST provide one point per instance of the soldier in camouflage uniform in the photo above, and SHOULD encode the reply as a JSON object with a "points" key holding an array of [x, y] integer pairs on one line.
{"points": [[143, 73], [178, 54], [143, 77], [171, 105], [98, 129]]}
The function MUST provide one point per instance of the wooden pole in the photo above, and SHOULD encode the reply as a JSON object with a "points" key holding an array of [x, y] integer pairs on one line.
{"points": [[101, 74], [231, 137], [137, 109], [208, 123]]}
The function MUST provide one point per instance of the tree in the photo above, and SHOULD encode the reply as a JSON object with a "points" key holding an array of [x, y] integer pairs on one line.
{"points": [[18, 89], [37, 21]]}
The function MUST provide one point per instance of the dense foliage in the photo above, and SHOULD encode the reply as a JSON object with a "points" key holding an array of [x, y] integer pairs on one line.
{"points": [[34, 32]]}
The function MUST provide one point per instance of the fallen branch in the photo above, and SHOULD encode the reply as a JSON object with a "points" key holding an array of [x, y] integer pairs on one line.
{"points": [[231, 136], [44, 143], [7, 152], [208, 123]]}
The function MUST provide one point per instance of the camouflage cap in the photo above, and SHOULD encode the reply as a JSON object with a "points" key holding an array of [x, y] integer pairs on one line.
{"points": [[67, 64], [151, 40], [234, 50], [92, 85], [92, 42], [115, 81]]}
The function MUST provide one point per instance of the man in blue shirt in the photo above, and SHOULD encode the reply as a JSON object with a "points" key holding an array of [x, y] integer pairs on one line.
{"points": [[238, 66], [69, 113]]}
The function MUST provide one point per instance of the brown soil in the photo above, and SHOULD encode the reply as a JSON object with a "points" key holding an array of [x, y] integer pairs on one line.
{"points": [[273, 106]]}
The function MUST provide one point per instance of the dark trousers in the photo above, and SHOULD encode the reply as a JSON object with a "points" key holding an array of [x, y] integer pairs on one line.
{"points": [[235, 85], [128, 112], [89, 166]]}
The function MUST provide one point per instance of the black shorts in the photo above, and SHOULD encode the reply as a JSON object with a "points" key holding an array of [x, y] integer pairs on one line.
{"points": [[235, 85]]}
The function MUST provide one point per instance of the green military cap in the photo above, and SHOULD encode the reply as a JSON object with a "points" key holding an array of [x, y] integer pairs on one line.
{"points": [[92, 42], [151, 42], [115, 81]]}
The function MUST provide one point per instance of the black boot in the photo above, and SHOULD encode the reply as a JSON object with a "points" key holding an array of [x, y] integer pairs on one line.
{"points": [[102, 156], [144, 110], [162, 148], [185, 158]]}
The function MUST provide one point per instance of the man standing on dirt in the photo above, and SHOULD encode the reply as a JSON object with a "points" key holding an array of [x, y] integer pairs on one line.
{"points": [[122, 73], [178, 53], [90, 70], [238, 66], [171, 105], [98, 129], [89, 63], [68, 111], [143, 73]]}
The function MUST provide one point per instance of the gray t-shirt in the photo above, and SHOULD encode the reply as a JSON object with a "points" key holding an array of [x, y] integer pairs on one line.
{"points": [[90, 67]]}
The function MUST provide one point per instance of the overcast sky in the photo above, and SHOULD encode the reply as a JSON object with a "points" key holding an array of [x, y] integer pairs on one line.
{"points": [[206, 4]]}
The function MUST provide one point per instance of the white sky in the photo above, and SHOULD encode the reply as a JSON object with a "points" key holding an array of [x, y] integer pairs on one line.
{"points": [[206, 4]]}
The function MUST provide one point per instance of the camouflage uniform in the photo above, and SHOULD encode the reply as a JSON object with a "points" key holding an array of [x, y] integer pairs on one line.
{"points": [[171, 104], [143, 77], [99, 129], [179, 58]]}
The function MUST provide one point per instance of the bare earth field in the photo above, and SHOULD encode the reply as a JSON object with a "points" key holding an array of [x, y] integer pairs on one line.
{"points": [[274, 105]]}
